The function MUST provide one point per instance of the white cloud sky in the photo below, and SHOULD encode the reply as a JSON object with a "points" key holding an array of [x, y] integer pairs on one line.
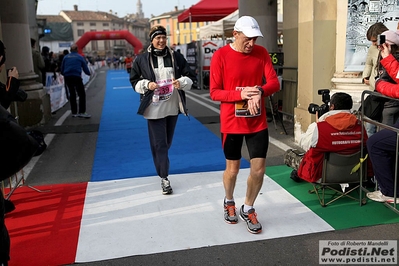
{"points": [[155, 7]]}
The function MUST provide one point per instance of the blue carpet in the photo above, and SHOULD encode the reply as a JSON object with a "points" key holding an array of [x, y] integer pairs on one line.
{"points": [[123, 149]]}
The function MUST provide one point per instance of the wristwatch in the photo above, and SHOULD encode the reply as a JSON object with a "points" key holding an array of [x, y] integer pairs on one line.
{"points": [[260, 89]]}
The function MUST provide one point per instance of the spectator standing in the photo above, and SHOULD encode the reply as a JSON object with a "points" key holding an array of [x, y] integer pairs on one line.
{"points": [[390, 114], [16, 145], [38, 62], [161, 76], [382, 145], [237, 76], [71, 68], [371, 66], [47, 63]]}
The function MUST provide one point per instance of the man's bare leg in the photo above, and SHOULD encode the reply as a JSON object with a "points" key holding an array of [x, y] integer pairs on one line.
{"points": [[255, 180], [230, 177]]}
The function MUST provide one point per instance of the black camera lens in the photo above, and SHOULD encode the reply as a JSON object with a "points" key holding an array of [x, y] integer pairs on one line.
{"points": [[313, 108]]}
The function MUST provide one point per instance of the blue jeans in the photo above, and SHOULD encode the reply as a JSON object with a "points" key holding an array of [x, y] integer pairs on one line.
{"points": [[381, 148], [370, 129]]}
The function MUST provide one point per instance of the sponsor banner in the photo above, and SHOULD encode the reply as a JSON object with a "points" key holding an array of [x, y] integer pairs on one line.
{"points": [[209, 47], [56, 89]]}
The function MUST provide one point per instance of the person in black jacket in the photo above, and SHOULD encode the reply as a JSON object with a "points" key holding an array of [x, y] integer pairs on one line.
{"points": [[17, 147], [161, 76]]}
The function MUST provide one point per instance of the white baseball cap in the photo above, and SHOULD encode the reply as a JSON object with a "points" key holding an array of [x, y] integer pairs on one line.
{"points": [[249, 26]]}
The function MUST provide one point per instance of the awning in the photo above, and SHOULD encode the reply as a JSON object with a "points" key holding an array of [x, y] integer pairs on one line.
{"points": [[223, 27], [208, 10]]}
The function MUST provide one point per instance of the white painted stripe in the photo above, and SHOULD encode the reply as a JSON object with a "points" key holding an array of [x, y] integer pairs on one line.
{"points": [[122, 88], [132, 217], [47, 139], [216, 110]]}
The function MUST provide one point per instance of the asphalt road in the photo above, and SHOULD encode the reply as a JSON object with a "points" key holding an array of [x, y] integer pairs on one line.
{"points": [[69, 158]]}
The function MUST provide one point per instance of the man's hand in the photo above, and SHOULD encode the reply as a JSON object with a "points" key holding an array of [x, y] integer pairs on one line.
{"points": [[13, 72], [254, 99], [248, 92]]}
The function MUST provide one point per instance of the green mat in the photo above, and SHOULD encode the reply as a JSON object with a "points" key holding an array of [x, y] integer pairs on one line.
{"points": [[341, 214]]}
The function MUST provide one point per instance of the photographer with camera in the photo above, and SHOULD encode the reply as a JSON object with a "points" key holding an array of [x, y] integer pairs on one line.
{"points": [[10, 91], [17, 147], [336, 130], [390, 113], [383, 144]]}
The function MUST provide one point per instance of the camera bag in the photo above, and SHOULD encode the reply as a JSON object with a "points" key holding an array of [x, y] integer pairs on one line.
{"points": [[373, 107]]}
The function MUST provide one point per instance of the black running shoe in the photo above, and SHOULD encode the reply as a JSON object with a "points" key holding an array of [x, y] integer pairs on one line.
{"points": [[294, 176], [166, 188], [253, 225], [230, 215]]}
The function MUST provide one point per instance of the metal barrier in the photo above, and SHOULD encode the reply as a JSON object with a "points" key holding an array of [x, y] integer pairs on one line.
{"points": [[366, 119]]}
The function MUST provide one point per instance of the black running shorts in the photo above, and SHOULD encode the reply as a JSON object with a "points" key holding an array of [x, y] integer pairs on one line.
{"points": [[257, 144]]}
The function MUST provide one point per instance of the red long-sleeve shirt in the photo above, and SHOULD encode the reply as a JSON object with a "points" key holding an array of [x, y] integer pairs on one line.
{"points": [[231, 70]]}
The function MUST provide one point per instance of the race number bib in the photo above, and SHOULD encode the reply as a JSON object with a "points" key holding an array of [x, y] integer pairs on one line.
{"points": [[241, 107], [165, 89]]}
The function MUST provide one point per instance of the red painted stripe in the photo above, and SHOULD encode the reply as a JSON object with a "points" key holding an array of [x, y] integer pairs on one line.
{"points": [[44, 227]]}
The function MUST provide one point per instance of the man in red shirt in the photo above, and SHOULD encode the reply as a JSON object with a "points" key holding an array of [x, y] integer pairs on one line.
{"points": [[237, 79]]}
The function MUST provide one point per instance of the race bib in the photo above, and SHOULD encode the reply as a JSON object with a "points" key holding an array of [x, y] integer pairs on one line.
{"points": [[165, 89], [241, 107]]}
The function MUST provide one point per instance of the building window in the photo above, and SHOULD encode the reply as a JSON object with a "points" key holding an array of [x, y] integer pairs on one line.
{"points": [[92, 24], [107, 45], [105, 24], [80, 24], [158, 21], [94, 45], [81, 32]]}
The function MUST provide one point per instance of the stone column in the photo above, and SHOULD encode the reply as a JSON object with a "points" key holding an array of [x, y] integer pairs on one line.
{"points": [[316, 56], [16, 37], [265, 12]]}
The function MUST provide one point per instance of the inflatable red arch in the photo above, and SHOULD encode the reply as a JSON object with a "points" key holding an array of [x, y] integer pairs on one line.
{"points": [[109, 35]]}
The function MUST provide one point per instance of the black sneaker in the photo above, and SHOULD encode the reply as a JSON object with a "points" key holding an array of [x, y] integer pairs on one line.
{"points": [[166, 188], [253, 225], [294, 176], [230, 215]]}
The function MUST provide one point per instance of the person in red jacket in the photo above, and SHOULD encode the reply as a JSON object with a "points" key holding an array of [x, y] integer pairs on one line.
{"points": [[382, 145], [237, 80], [336, 131]]}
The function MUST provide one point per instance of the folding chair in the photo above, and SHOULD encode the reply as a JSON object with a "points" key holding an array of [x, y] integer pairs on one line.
{"points": [[340, 169]]}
